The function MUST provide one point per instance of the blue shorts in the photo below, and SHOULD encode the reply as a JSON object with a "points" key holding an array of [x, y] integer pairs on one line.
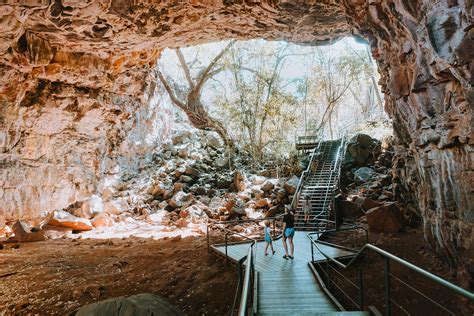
{"points": [[268, 239], [289, 232]]}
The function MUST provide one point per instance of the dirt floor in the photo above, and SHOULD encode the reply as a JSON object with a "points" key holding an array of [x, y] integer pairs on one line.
{"points": [[410, 246], [56, 277]]}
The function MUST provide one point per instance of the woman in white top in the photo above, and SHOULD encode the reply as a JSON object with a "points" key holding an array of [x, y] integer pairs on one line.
{"points": [[306, 209]]}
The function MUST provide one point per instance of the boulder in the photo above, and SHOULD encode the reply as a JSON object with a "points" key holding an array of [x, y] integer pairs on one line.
{"points": [[244, 196], [194, 212], [369, 204], [268, 186], [102, 220], [185, 179], [223, 182], [274, 210], [214, 141], [90, 208], [220, 162], [180, 137], [137, 305], [64, 219], [363, 174], [158, 189], [351, 210], [263, 203], [258, 180], [291, 185], [386, 219], [192, 172], [177, 200], [116, 206], [363, 148], [182, 223], [25, 234], [178, 186], [257, 193], [183, 152], [238, 209]]}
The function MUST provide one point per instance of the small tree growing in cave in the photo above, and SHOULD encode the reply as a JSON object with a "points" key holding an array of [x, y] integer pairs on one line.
{"points": [[189, 99], [257, 106]]}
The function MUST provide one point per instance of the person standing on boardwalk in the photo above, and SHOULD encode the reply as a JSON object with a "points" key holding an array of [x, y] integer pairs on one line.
{"points": [[306, 209], [288, 232], [268, 238]]}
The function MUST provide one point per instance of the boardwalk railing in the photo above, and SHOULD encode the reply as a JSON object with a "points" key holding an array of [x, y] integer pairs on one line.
{"points": [[388, 279], [247, 287]]}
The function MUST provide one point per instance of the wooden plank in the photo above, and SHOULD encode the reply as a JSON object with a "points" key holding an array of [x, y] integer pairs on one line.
{"points": [[288, 286]]}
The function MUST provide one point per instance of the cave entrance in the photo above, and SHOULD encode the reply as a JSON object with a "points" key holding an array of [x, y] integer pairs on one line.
{"points": [[272, 97]]}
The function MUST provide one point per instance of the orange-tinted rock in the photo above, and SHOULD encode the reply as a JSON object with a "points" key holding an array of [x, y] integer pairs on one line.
{"points": [[102, 220], [64, 219], [263, 203], [25, 234]]}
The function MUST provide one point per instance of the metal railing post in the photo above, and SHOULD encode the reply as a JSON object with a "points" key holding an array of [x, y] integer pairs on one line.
{"points": [[273, 228], [226, 257], [312, 251], [208, 242], [361, 290], [327, 274], [386, 268]]}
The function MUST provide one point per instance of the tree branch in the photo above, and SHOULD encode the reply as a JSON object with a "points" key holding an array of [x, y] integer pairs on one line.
{"points": [[202, 77], [185, 68], [168, 89]]}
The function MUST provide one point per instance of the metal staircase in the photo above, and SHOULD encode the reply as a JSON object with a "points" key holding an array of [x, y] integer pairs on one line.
{"points": [[319, 181]]}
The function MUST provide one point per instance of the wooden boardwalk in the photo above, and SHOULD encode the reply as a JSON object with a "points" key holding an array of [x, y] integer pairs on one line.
{"points": [[288, 287]]}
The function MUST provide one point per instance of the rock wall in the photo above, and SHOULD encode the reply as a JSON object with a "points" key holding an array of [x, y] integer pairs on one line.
{"points": [[425, 53], [73, 76]]}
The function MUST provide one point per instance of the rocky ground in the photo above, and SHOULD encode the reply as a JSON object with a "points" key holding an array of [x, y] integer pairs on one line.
{"points": [[191, 180]]}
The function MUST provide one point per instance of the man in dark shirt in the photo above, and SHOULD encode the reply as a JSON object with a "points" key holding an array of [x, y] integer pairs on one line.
{"points": [[288, 232]]}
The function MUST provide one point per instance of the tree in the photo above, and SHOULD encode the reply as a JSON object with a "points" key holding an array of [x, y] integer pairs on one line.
{"points": [[333, 76], [256, 104], [189, 98]]}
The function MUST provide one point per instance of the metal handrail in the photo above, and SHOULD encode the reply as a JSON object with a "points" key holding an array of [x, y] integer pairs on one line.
{"points": [[334, 171], [249, 267], [249, 259], [308, 169], [273, 219], [387, 257]]}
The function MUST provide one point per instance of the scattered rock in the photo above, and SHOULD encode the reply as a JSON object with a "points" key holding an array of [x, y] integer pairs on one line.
{"points": [[291, 185], [25, 234], [185, 178], [386, 219], [267, 186], [64, 219], [214, 141], [102, 220], [351, 210], [363, 174], [116, 206], [263, 203]]}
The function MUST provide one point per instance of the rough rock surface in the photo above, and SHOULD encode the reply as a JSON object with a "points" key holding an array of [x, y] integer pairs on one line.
{"points": [[138, 305], [75, 88]]}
